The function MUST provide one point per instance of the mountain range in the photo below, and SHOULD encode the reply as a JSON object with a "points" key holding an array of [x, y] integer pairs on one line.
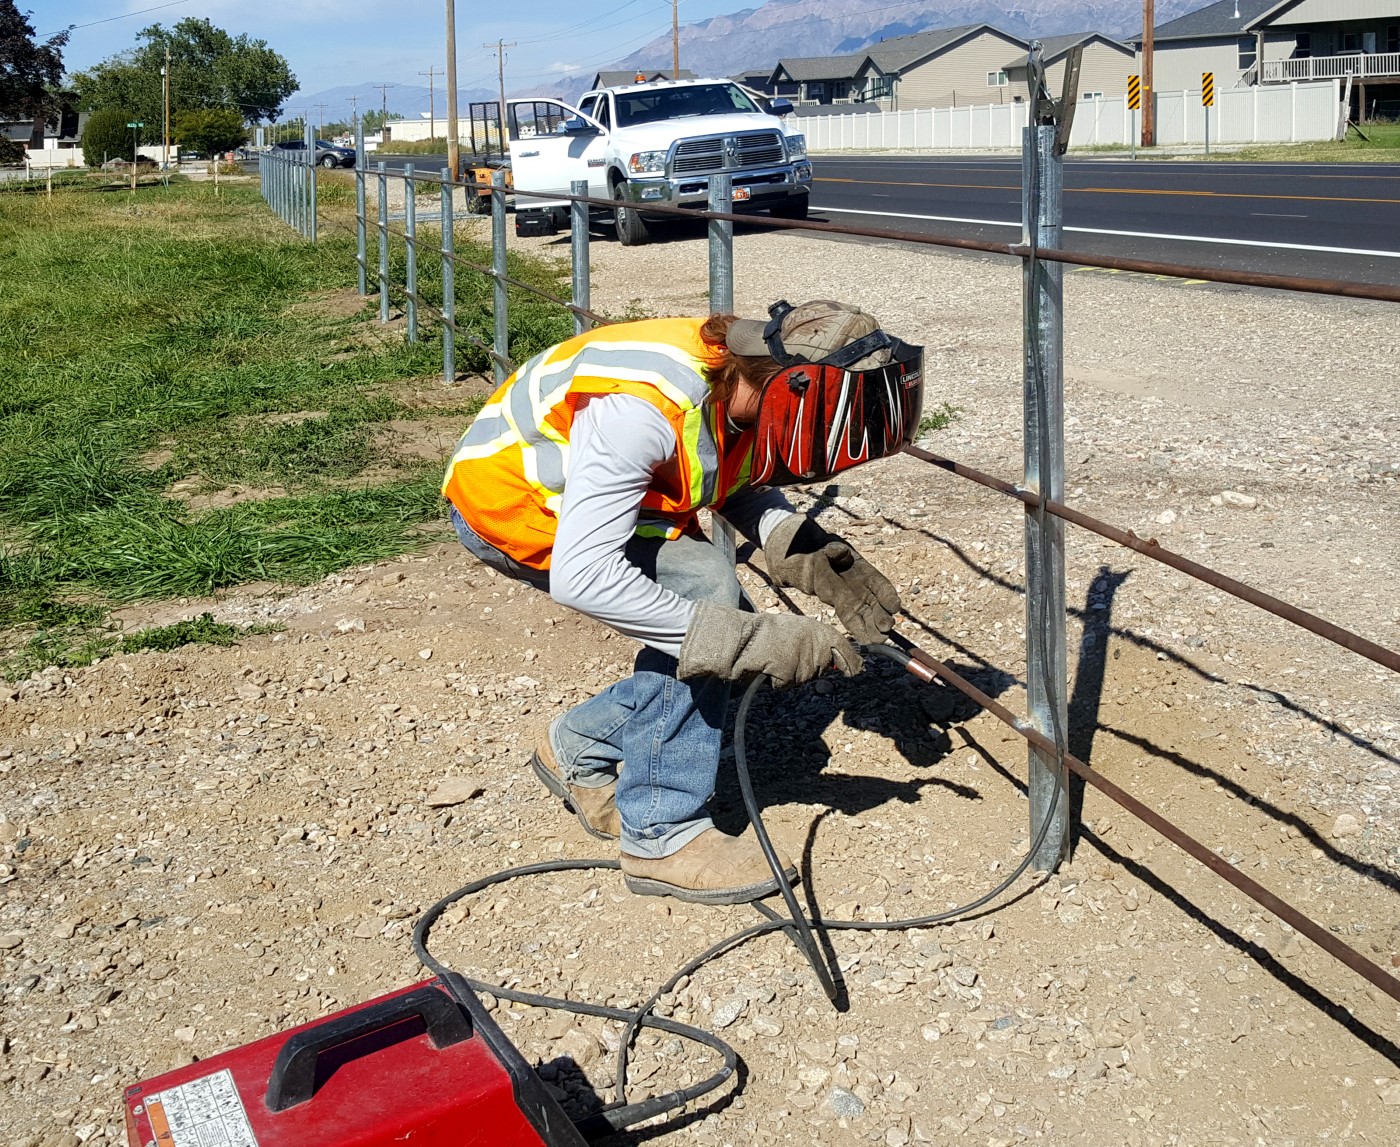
{"points": [[759, 37]]}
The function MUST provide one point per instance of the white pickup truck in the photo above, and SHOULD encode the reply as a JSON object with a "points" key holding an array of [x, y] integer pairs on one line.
{"points": [[655, 143]]}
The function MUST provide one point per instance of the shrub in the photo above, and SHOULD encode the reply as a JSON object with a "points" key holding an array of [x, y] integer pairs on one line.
{"points": [[106, 136], [212, 131], [10, 151]]}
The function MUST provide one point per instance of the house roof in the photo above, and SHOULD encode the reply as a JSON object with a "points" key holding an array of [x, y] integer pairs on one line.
{"points": [[800, 69], [616, 78], [903, 52], [1213, 20], [1053, 47]]}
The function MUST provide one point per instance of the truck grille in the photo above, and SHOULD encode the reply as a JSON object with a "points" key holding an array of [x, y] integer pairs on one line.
{"points": [[727, 153]]}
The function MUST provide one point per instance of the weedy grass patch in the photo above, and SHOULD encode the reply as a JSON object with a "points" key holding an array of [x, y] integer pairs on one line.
{"points": [[183, 343]]}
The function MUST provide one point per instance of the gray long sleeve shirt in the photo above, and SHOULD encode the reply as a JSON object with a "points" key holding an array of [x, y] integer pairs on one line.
{"points": [[616, 445]]}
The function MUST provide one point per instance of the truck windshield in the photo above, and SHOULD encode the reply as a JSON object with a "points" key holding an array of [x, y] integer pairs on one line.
{"points": [[650, 106]]}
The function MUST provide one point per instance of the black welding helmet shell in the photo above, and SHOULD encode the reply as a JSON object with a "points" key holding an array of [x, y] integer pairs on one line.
{"points": [[815, 419]]}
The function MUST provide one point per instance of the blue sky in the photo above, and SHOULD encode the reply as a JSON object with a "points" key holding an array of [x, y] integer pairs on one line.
{"points": [[334, 42]]}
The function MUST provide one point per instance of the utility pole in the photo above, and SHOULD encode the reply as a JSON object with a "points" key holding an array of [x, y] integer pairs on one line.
{"points": [[432, 103], [500, 47], [354, 102], [1149, 93], [383, 102], [165, 98], [321, 121], [675, 39], [454, 154]]}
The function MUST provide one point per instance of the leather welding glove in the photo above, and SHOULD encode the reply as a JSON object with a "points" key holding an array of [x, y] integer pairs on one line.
{"points": [[801, 554], [729, 643]]}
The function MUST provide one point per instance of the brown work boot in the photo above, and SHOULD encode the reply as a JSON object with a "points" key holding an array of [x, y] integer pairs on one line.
{"points": [[712, 869], [596, 808]]}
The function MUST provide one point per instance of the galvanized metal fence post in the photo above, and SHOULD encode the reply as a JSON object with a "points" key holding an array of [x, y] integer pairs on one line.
{"points": [[310, 231], [1044, 458], [449, 285], [410, 234], [578, 242], [383, 242], [498, 270], [361, 253], [721, 247]]}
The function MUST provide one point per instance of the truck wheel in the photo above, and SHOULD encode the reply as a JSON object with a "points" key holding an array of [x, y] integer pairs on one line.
{"points": [[794, 208], [632, 229]]}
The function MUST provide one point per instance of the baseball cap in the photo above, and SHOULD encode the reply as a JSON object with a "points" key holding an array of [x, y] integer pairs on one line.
{"points": [[811, 332]]}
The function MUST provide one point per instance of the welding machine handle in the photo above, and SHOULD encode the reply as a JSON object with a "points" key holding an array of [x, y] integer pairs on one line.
{"points": [[293, 1079]]}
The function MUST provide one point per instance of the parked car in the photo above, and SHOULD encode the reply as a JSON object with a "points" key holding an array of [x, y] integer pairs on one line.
{"points": [[143, 163], [327, 153]]}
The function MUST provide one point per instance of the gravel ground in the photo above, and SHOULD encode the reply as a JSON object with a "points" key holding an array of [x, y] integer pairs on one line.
{"points": [[206, 846]]}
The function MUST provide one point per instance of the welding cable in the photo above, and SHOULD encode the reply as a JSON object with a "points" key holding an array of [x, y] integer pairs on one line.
{"points": [[613, 1117], [620, 1114]]}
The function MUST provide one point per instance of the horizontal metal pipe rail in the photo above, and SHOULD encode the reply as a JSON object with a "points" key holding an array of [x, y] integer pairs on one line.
{"points": [[932, 668], [1149, 548]]}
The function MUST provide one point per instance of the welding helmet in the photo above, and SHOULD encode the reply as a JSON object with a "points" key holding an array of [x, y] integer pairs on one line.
{"points": [[847, 392]]}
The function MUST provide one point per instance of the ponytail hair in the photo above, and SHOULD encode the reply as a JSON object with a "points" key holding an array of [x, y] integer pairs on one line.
{"points": [[729, 369]]}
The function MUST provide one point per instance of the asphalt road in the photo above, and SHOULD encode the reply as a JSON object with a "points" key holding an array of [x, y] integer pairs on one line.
{"points": [[1321, 220]]}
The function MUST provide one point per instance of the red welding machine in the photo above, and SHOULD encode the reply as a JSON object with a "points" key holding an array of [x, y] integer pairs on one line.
{"points": [[415, 1066]]}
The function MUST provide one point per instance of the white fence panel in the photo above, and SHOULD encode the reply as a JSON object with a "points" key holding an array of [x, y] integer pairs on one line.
{"points": [[1263, 114]]}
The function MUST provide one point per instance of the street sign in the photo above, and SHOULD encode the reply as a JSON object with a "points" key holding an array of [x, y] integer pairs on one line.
{"points": [[138, 123], [1207, 89], [1134, 93]]}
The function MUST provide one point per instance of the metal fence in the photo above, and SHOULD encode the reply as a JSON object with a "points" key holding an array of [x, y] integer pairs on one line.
{"points": [[288, 181], [1040, 489]]}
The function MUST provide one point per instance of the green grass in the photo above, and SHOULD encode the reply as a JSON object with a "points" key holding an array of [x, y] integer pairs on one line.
{"points": [[939, 419], [1382, 145], [184, 343], [70, 649]]}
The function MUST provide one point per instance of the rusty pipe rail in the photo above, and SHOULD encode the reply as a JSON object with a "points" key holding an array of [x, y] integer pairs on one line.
{"points": [[1367, 969], [1149, 548]]}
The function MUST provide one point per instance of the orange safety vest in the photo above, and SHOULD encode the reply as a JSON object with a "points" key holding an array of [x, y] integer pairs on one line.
{"points": [[507, 475]]}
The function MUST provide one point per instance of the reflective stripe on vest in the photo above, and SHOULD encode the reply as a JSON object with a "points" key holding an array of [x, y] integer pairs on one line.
{"points": [[508, 473]]}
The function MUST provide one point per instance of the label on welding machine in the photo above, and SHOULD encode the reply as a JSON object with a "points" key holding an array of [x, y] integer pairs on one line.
{"points": [[200, 1113]]}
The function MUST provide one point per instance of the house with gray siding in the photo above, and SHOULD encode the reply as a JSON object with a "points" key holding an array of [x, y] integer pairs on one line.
{"points": [[1247, 42]]}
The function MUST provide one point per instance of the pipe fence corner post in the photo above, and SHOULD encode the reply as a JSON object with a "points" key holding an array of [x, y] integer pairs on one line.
{"points": [[578, 242], [383, 173], [449, 284], [310, 231], [721, 246], [410, 234], [361, 253], [501, 343], [1044, 456]]}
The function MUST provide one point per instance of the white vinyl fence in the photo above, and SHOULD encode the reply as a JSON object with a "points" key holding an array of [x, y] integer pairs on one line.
{"points": [[1286, 113]]}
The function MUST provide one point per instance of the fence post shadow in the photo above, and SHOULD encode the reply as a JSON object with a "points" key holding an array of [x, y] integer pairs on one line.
{"points": [[1087, 695]]}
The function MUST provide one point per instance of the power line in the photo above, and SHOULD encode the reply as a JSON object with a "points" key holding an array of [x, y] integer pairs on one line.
{"points": [[123, 16], [565, 32]]}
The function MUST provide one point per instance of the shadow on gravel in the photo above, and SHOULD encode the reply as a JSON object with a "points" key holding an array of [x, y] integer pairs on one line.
{"points": [[1164, 652], [1088, 687]]}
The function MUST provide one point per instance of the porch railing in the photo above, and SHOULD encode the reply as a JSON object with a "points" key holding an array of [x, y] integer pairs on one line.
{"points": [[1361, 66]]}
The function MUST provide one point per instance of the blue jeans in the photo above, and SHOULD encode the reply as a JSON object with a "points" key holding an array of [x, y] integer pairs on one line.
{"points": [[664, 728]]}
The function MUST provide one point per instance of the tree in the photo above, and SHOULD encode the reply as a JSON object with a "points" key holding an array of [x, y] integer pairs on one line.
{"points": [[208, 69], [106, 136], [29, 70], [211, 131], [374, 120]]}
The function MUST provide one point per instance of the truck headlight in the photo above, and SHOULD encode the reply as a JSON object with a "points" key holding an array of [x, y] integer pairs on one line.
{"points": [[647, 163], [797, 146]]}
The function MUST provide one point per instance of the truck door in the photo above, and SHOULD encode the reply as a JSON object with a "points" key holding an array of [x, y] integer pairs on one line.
{"points": [[548, 151]]}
